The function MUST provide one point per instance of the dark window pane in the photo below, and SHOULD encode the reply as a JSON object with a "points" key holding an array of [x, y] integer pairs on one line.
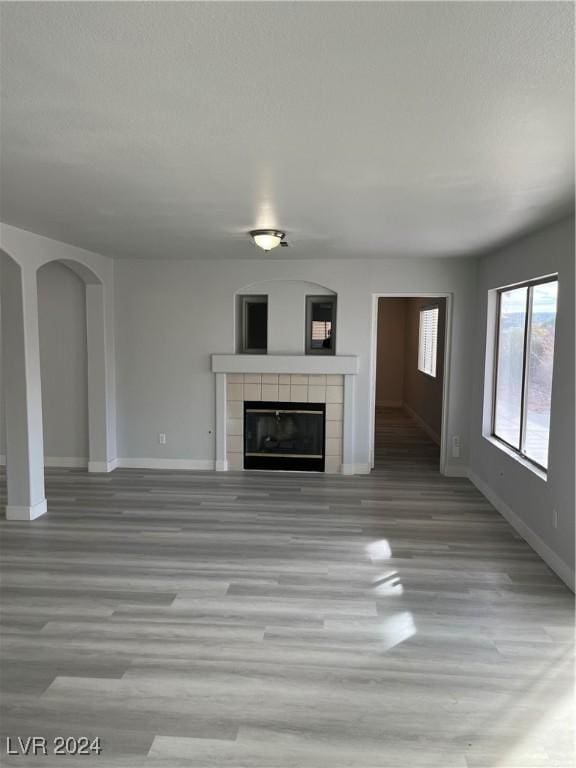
{"points": [[510, 365], [256, 325], [539, 372], [321, 324]]}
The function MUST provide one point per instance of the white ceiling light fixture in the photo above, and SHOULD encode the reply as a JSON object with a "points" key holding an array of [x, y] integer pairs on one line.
{"points": [[267, 238]]}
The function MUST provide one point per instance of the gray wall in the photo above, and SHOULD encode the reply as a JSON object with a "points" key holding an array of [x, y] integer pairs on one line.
{"points": [[171, 315], [62, 326], [529, 497]]}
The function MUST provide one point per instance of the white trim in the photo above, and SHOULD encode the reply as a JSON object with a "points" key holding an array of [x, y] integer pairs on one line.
{"points": [[389, 403], [432, 434], [178, 464], [355, 469], [221, 401], [348, 424], [101, 467], [444, 436], [556, 563], [455, 470], [66, 461], [314, 364], [26, 513], [221, 466]]}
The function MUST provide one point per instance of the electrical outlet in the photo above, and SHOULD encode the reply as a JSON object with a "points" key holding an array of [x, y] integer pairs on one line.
{"points": [[162, 438], [555, 518], [456, 446]]}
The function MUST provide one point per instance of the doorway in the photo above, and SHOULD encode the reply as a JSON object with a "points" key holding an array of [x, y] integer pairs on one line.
{"points": [[409, 382]]}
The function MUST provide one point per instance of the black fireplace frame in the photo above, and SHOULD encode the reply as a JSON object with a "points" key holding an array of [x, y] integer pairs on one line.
{"points": [[286, 463]]}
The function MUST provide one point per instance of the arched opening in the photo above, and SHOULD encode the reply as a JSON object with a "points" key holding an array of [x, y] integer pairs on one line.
{"points": [[61, 305], [86, 357]]}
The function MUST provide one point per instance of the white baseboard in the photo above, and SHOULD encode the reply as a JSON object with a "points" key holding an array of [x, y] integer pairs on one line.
{"points": [[422, 424], [456, 470], [389, 404], [173, 464], [68, 462], [177, 464], [26, 513], [559, 566]]}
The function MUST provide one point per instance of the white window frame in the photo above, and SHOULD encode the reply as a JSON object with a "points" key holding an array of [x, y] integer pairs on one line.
{"points": [[427, 364], [518, 452]]}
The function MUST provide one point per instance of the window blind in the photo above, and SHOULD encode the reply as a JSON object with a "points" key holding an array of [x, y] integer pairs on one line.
{"points": [[428, 341]]}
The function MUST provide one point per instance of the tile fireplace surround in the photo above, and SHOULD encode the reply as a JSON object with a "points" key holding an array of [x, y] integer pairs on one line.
{"points": [[284, 378]]}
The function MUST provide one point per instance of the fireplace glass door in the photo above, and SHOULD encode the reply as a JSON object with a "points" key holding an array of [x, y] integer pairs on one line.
{"points": [[284, 436]]}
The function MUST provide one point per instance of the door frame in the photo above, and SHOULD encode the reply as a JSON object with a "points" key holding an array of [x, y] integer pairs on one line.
{"points": [[444, 442]]}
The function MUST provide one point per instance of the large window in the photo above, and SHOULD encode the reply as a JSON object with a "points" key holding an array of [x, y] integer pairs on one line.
{"points": [[524, 362], [428, 341]]}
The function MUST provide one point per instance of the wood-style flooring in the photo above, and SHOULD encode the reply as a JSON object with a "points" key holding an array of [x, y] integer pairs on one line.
{"points": [[275, 620]]}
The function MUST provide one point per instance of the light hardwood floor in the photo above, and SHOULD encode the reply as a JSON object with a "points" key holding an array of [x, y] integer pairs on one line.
{"points": [[281, 620]]}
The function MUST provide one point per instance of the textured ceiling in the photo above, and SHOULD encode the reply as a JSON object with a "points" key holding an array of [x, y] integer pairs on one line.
{"points": [[167, 130]]}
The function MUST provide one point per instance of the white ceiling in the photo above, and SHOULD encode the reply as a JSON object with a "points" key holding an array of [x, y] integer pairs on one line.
{"points": [[362, 129]]}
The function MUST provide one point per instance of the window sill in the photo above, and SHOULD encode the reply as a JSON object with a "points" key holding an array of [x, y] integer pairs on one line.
{"points": [[517, 457]]}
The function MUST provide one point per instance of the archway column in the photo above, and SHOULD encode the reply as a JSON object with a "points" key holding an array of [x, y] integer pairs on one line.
{"points": [[22, 392]]}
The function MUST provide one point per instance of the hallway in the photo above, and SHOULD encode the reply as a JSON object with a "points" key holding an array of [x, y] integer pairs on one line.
{"points": [[401, 446]]}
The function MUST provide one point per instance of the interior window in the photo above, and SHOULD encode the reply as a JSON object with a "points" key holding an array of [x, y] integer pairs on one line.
{"points": [[253, 324], [321, 325]]}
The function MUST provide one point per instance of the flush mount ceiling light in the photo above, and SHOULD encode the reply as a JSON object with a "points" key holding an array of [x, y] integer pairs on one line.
{"points": [[268, 238]]}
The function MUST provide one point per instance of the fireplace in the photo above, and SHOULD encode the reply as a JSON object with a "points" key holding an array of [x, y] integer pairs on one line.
{"points": [[283, 435]]}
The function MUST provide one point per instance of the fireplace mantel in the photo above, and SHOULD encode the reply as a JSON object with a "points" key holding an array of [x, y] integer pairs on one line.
{"points": [[311, 364]]}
